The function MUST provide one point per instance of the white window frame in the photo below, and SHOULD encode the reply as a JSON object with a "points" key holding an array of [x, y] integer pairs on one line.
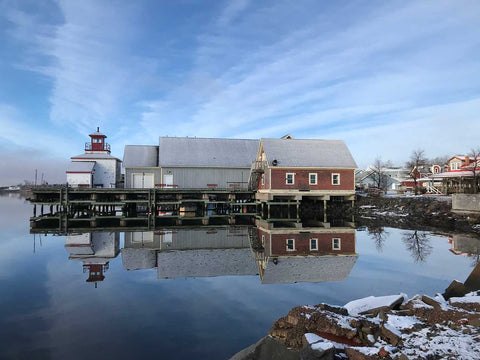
{"points": [[293, 244], [339, 247], [333, 176], [263, 240], [293, 179], [263, 179], [316, 244], [310, 178]]}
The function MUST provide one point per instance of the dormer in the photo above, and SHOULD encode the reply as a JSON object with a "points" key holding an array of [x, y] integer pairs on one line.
{"points": [[97, 142]]}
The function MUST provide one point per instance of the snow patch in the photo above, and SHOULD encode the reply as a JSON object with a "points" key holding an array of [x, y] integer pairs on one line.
{"points": [[322, 345], [356, 307], [466, 299], [402, 322]]}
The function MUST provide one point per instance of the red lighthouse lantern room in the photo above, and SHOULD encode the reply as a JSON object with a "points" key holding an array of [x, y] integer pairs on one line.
{"points": [[97, 143]]}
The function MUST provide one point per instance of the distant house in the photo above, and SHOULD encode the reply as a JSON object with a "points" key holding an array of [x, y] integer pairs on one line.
{"points": [[303, 167], [190, 163], [392, 178], [96, 167], [459, 175]]}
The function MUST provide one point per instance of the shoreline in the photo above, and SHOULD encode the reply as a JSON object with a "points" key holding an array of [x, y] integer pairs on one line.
{"points": [[446, 326]]}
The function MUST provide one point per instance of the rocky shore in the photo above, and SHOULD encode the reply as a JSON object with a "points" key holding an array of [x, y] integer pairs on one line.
{"points": [[388, 327], [418, 212]]}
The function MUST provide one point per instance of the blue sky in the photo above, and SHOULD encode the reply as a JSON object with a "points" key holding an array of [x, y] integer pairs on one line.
{"points": [[388, 77]]}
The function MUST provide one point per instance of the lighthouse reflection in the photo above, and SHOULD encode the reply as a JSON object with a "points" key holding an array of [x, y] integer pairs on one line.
{"points": [[94, 250], [276, 255]]}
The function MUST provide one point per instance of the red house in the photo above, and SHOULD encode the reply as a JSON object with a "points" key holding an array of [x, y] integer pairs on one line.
{"points": [[303, 167]]}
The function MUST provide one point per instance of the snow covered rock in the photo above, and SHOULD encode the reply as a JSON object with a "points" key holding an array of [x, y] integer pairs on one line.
{"points": [[373, 304]]}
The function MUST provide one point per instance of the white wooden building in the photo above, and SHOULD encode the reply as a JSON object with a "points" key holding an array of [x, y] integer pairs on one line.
{"points": [[96, 167]]}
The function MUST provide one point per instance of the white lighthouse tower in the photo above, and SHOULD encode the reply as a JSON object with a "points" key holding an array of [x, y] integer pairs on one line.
{"points": [[96, 167]]}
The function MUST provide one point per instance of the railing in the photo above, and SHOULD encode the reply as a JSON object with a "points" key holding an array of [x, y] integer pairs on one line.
{"points": [[432, 189], [89, 147], [259, 165]]}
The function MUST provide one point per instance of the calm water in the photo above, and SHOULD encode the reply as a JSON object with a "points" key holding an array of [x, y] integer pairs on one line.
{"points": [[49, 311]]}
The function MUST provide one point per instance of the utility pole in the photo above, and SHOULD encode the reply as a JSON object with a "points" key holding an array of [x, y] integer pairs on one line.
{"points": [[35, 177]]}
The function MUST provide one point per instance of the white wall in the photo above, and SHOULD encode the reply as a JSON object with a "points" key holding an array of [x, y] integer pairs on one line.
{"points": [[79, 179], [106, 172]]}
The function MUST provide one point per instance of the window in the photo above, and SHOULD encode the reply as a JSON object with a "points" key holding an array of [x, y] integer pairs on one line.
{"points": [[312, 179], [263, 179], [336, 244], [335, 179], [290, 179], [290, 244], [455, 165], [313, 244], [263, 240]]}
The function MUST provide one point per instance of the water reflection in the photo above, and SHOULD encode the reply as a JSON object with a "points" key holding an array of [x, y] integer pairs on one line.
{"points": [[418, 244], [467, 245], [94, 250], [276, 255], [305, 255]]}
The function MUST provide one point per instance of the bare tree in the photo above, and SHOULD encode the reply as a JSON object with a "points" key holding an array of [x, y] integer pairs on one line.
{"points": [[418, 244], [474, 168], [380, 179], [439, 160], [417, 160], [379, 235]]}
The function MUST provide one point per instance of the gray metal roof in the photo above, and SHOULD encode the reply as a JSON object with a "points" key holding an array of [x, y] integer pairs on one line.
{"points": [[309, 269], [135, 259], [81, 166], [140, 156], [308, 153], [205, 263], [174, 151], [95, 155]]}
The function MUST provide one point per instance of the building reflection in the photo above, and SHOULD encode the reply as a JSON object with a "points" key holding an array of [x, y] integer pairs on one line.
{"points": [[275, 254], [280, 255], [286, 255], [95, 250]]}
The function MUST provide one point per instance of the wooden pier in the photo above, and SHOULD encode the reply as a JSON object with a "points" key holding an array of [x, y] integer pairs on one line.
{"points": [[66, 209]]}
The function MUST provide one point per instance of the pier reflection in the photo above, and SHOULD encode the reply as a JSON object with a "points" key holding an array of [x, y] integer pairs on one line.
{"points": [[275, 254]]}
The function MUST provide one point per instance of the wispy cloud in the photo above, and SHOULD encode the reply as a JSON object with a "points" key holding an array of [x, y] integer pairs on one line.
{"points": [[322, 75], [88, 58]]}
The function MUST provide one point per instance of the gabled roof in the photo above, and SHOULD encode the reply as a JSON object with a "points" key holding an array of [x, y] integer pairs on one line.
{"points": [[205, 263], [80, 167], [97, 133], [140, 156], [292, 269], [95, 155], [206, 152], [308, 153]]}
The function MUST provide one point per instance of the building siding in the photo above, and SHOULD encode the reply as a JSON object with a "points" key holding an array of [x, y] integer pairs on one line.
{"points": [[76, 179], [324, 179], [130, 171], [197, 178], [302, 244], [106, 172]]}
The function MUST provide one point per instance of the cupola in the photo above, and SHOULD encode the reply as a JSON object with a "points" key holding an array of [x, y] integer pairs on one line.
{"points": [[97, 142]]}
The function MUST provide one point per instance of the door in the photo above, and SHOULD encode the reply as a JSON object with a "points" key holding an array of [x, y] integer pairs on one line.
{"points": [[142, 181], [168, 181]]}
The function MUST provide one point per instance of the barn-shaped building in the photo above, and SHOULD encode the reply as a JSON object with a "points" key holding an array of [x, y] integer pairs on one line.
{"points": [[303, 167], [190, 163], [96, 167]]}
